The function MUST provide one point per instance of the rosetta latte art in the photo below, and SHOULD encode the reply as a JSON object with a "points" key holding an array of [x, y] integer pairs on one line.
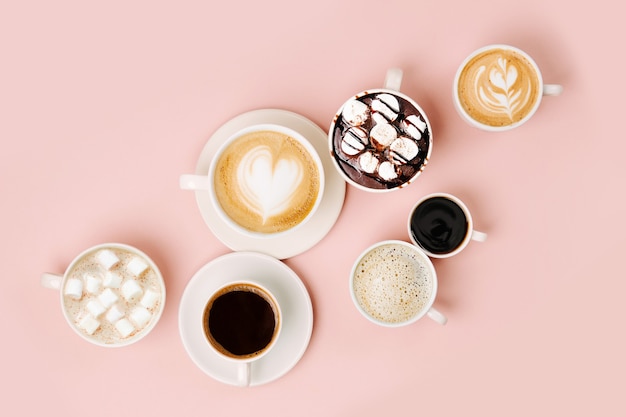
{"points": [[500, 90], [498, 87]]}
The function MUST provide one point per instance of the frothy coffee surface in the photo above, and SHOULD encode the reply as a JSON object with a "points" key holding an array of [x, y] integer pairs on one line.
{"points": [[267, 182], [392, 283], [112, 295], [380, 140], [498, 87]]}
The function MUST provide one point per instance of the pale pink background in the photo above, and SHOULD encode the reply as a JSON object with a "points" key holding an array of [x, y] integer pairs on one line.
{"points": [[102, 107]]}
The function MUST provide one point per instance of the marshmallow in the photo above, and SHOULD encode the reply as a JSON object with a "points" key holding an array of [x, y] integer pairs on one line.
{"points": [[414, 126], [112, 280], [89, 324], [137, 266], [403, 150], [368, 162], [74, 288], [387, 171], [140, 316], [131, 290], [124, 327], [354, 141], [107, 258], [355, 112], [150, 298], [108, 297], [383, 134], [387, 105], [114, 314], [92, 283], [95, 307]]}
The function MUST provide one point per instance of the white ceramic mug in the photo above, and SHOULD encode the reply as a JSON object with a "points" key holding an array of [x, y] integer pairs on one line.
{"points": [[499, 87], [270, 191], [393, 283], [232, 319], [111, 294], [442, 225], [380, 139]]}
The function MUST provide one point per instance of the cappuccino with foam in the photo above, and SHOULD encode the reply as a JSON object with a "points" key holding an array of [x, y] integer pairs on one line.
{"points": [[267, 181], [394, 283], [499, 87]]}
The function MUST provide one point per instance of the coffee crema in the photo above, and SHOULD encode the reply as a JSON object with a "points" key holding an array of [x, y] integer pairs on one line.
{"points": [[498, 87], [266, 181], [392, 283], [240, 321]]}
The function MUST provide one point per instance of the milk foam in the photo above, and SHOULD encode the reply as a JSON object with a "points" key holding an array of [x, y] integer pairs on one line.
{"points": [[266, 181], [268, 185], [392, 283]]}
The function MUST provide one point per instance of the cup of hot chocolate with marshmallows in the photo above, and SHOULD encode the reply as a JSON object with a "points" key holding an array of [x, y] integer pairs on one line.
{"points": [[499, 87], [380, 139], [264, 180]]}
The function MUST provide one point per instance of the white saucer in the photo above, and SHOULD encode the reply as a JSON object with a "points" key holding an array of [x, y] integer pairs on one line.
{"points": [[291, 294], [307, 236]]}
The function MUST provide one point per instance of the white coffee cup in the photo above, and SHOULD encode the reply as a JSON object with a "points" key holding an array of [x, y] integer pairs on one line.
{"points": [[242, 322], [111, 294], [380, 139], [499, 87], [270, 190], [394, 283], [442, 225]]}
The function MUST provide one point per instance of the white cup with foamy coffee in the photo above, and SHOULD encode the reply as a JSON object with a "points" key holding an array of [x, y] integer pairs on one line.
{"points": [[393, 283], [442, 225], [265, 180], [499, 87], [241, 322], [112, 294]]}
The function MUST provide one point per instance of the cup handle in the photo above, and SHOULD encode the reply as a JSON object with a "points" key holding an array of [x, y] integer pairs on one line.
{"points": [[437, 316], [52, 281], [479, 236], [194, 182], [243, 374], [552, 89], [393, 80]]}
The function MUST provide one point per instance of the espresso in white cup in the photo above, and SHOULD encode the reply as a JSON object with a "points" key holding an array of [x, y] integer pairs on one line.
{"points": [[393, 283], [442, 225], [499, 87], [112, 294], [264, 180]]}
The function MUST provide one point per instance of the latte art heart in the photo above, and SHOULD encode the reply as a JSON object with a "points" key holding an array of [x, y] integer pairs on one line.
{"points": [[267, 181], [268, 186]]}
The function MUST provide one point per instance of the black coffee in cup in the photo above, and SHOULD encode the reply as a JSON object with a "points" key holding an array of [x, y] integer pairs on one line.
{"points": [[439, 225], [241, 321]]}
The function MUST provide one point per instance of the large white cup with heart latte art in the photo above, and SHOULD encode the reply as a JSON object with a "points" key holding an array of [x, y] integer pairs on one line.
{"points": [[264, 180]]}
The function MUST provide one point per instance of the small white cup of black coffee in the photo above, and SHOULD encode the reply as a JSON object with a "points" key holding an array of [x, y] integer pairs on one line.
{"points": [[442, 225]]}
